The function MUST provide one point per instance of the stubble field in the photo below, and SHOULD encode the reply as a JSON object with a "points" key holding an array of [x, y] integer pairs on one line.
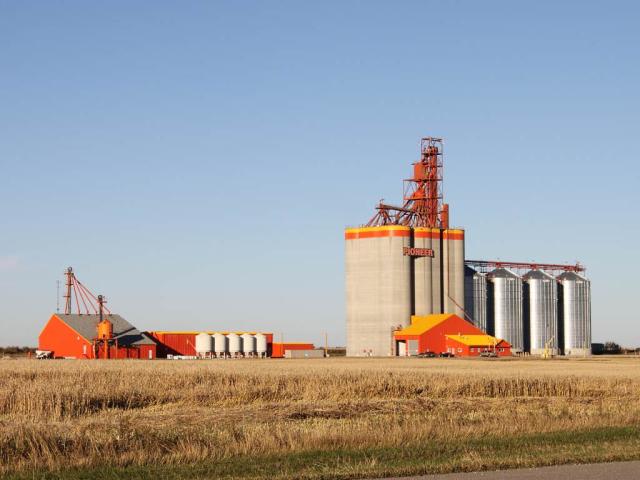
{"points": [[324, 418]]}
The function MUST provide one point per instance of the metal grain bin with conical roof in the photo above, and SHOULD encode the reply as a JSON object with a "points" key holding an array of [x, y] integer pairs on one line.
{"points": [[261, 345], [204, 344], [575, 313], [219, 344], [506, 307], [540, 311], [475, 293], [248, 344], [378, 287], [235, 344]]}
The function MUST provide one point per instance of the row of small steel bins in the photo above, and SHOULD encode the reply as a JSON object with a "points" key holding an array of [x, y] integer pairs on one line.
{"points": [[186, 343], [533, 311], [231, 344]]}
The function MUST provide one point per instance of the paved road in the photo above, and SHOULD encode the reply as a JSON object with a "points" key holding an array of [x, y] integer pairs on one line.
{"points": [[597, 471]]}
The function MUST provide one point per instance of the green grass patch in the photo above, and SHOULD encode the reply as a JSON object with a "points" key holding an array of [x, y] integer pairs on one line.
{"points": [[488, 453]]}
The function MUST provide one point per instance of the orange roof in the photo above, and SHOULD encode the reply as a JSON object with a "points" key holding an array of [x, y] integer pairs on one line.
{"points": [[476, 340], [422, 324]]}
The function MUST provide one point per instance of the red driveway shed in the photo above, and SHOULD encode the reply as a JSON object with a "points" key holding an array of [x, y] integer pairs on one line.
{"points": [[431, 333], [475, 345]]}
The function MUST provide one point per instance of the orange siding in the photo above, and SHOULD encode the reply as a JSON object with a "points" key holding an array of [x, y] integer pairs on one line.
{"points": [[503, 349], [175, 343], [134, 352], [434, 339], [278, 349], [63, 341]]}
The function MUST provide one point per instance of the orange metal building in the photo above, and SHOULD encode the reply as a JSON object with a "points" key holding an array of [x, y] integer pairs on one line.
{"points": [[279, 349], [445, 333], [474, 345], [73, 335]]}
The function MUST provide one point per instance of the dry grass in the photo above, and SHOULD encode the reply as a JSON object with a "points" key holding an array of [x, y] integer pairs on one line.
{"points": [[61, 414]]}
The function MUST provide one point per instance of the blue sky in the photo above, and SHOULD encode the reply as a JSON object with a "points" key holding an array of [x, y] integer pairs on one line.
{"points": [[196, 162]]}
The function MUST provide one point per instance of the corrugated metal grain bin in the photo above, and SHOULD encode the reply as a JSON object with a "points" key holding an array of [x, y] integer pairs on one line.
{"points": [[575, 313], [540, 311], [476, 297], [505, 304]]}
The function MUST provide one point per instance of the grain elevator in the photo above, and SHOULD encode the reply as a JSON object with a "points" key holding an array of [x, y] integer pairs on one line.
{"points": [[405, 261]]}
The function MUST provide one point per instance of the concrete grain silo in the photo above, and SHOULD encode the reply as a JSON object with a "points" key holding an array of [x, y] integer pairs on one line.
{"points": [[437, 304], [575, 313], [423, 276], [505, 307], [540, 311], [378, 287], [453, 271]]}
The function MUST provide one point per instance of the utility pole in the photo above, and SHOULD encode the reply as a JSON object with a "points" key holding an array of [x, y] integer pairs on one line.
{"points": [[326, 345], [57, 296]]}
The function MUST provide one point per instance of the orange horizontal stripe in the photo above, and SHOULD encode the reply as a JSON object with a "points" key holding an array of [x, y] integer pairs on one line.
{"points": [[425, 234], [377, 229], [453, 236], [376, 234]]}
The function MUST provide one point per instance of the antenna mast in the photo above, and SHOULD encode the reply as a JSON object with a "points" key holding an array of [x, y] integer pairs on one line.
{"points": [[67, 295]]}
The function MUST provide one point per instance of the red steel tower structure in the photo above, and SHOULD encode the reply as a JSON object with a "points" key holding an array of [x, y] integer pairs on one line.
{"points": [[422, 194]]}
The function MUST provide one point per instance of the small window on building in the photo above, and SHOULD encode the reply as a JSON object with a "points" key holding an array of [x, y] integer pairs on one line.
{"points": [[84, 349], [459, 350]]}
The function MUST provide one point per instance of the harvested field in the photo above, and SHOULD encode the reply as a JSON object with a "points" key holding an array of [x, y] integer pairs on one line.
{"points": [[333, 418]]}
